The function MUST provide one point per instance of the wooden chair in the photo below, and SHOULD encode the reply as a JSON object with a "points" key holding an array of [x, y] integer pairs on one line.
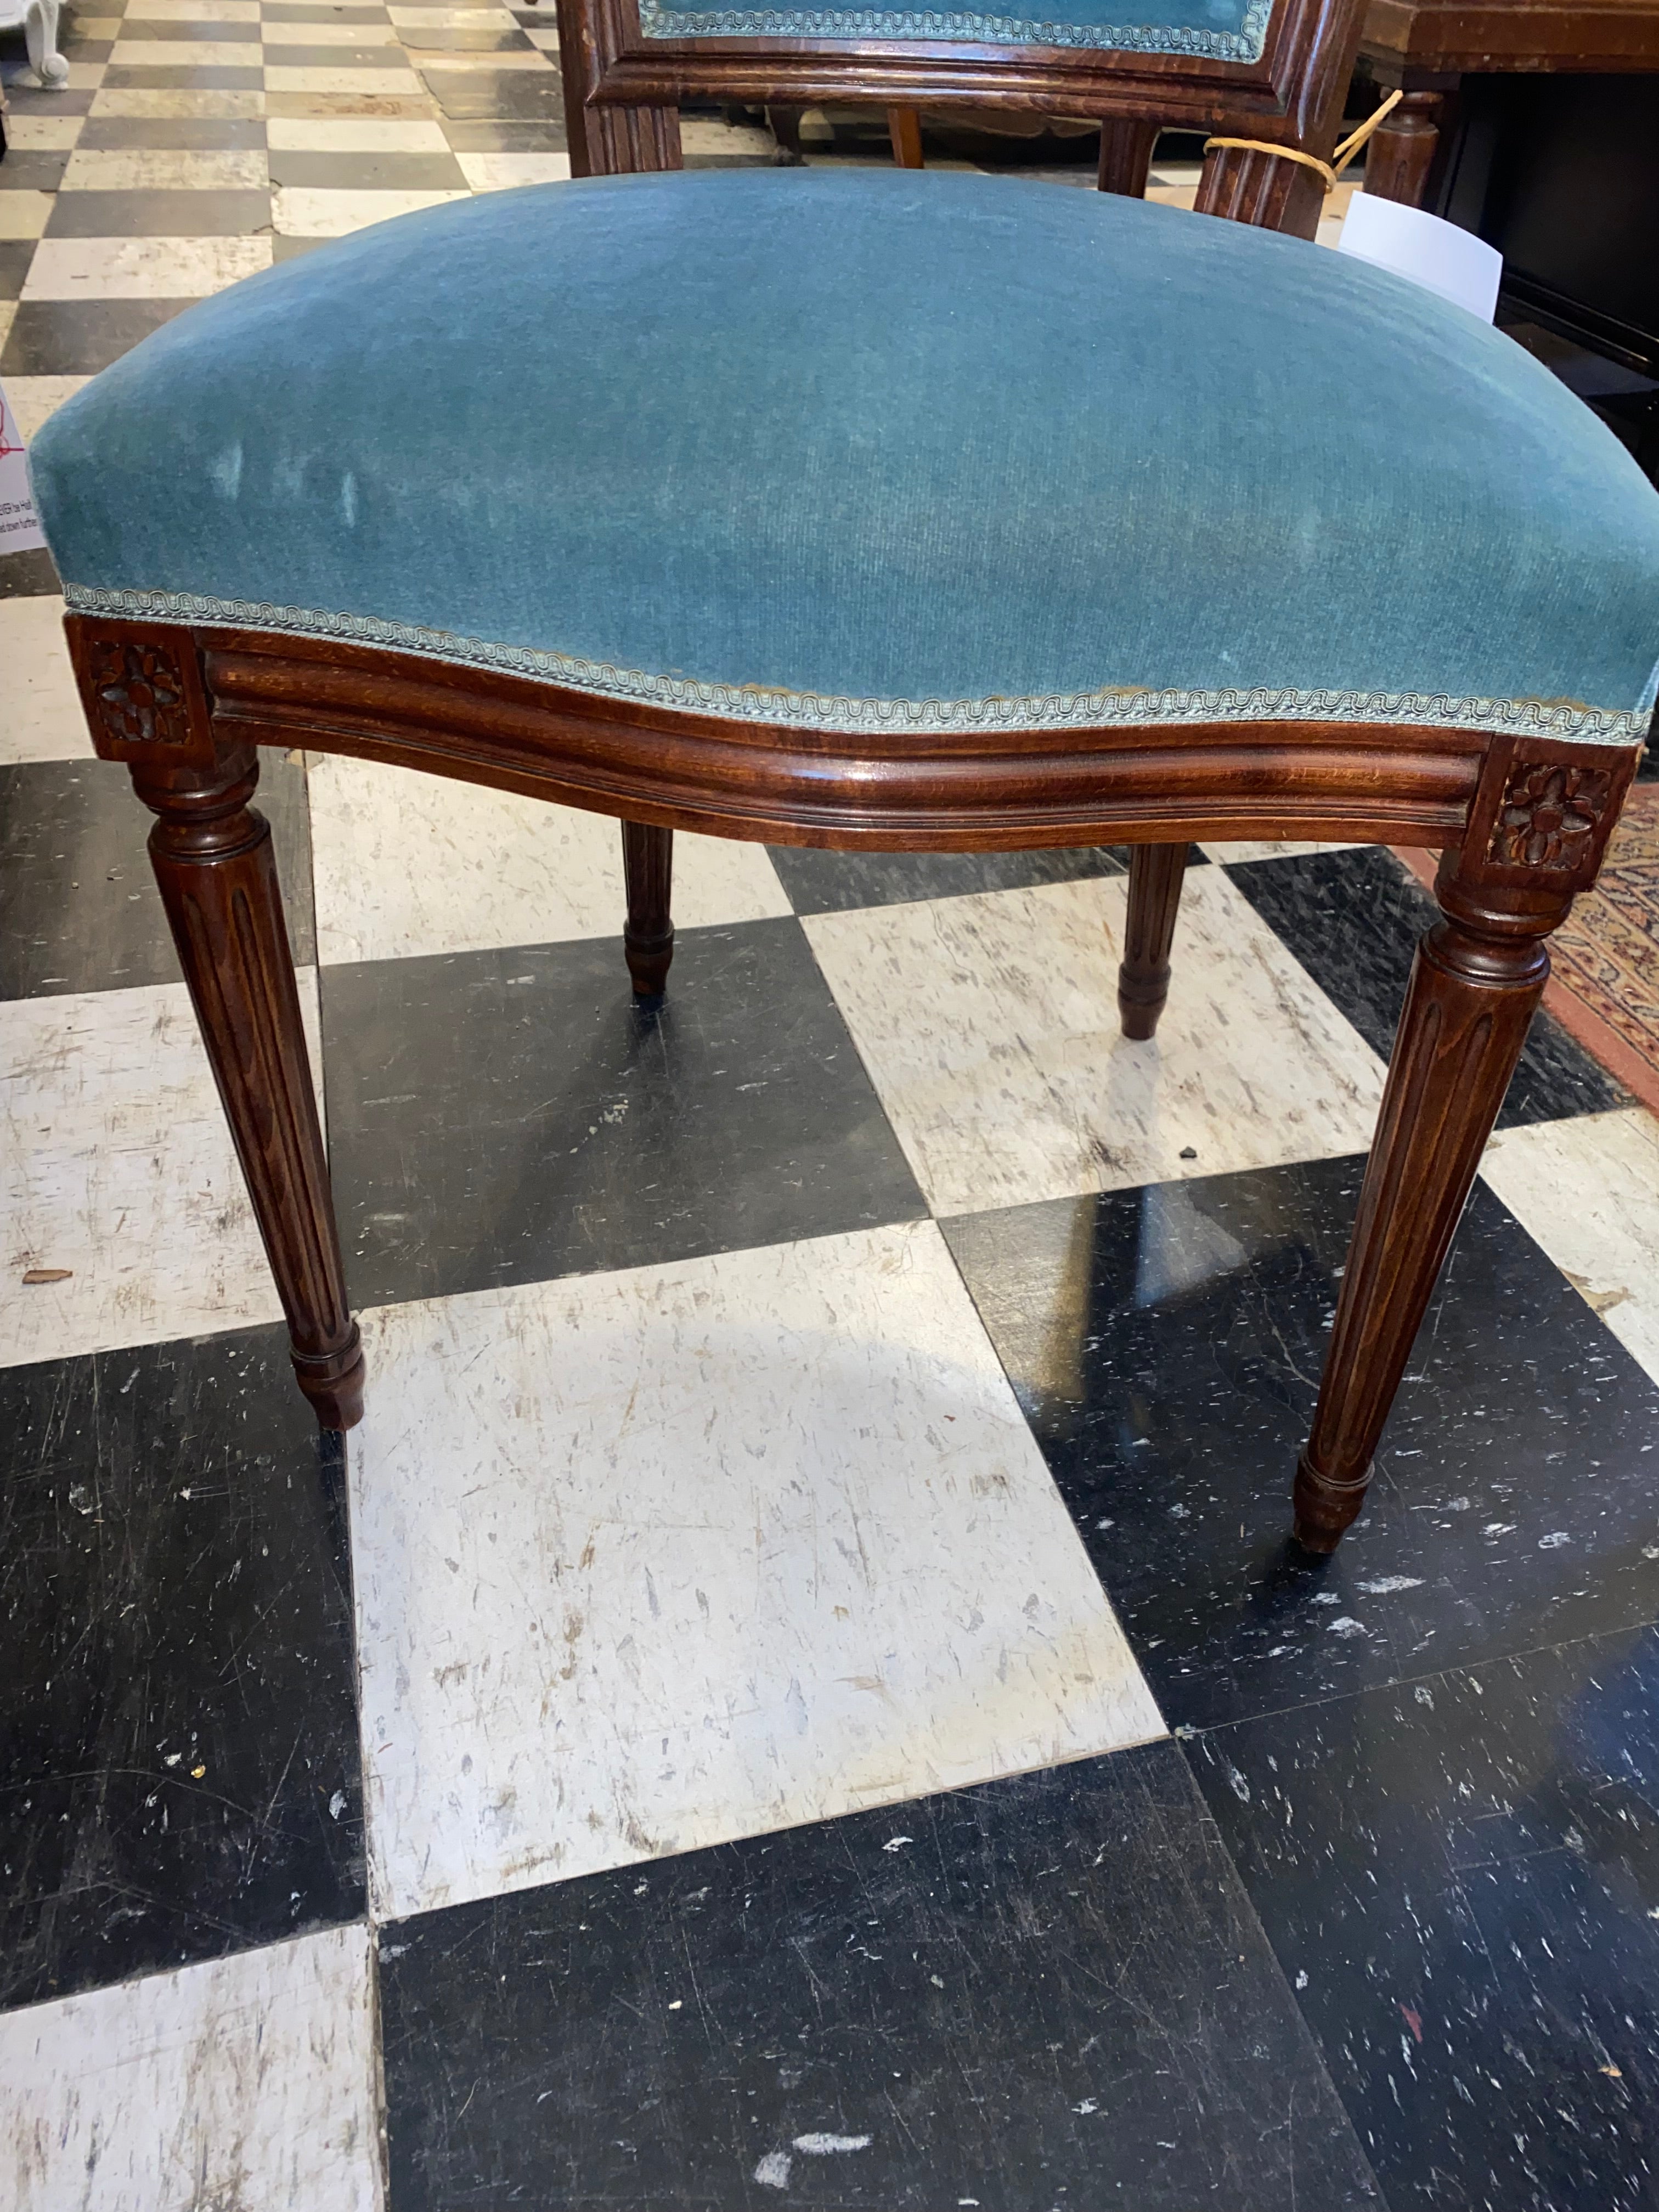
{"points": [[1051, 519]]}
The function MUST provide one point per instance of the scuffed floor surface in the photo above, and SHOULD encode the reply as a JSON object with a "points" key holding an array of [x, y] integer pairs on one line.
{"points": [[798, 1693]]}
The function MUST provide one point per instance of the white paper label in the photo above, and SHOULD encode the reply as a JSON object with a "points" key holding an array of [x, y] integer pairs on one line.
{"points": [[1454, 263], [20, 526]]}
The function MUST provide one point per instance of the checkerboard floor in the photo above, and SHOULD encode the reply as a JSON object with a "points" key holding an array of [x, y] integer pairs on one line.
{"points": [[798, 1693]]}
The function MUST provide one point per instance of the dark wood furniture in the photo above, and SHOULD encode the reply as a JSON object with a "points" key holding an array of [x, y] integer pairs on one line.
{"points": [[1521, 821], [1427, 47]]}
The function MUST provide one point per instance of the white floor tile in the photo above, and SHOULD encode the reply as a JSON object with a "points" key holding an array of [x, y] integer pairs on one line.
{"points": [[119, 1167], [406, 864], [151, 101], [24, 214], [357, 82], [1588, 1189], [650, 1559], [352, 134], [990, 1027], [50, 132], [704, 134], [42, 719], [199, 11], [307, 211], [141, 268], [154, 168], [495, 173], [33, 400], [8, 313], [247, 2083], [1286, 849]]}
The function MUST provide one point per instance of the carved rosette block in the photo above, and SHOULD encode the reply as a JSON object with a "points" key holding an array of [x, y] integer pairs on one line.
{"points": [[142, 691], [1550, 817]]}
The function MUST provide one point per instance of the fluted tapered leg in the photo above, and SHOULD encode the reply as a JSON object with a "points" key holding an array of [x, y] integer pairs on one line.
{"points": [[212, 857], [648, 938], [1537, 831], [1156, 875]]}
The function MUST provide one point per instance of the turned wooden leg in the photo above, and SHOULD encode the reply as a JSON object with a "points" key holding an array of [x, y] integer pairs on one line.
{"points": [[649, 939], [212, 857], [1537, 831], [1126, 156], [1401, 151], [904, 130], [784, 124], [1156, 875]]}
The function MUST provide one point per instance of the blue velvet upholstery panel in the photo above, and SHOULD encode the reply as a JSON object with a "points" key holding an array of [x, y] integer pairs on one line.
{"points": [[877, 447], [1223, 30]]}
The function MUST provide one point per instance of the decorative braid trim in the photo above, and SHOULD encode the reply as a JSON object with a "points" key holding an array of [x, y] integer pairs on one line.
{"points": [[1112, 706], [1244, 45]]}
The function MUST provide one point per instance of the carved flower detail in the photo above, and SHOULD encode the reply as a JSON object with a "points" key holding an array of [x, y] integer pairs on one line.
{"points": [[1549, 816], [142, 696]]}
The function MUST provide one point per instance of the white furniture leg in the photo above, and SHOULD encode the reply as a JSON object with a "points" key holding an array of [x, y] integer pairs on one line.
{"points": [[41, 30]]}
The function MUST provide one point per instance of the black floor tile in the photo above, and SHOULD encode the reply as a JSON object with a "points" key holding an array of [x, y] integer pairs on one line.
{"points": [[487, 134], [29, 575], [1353, 918], [321, 12], [1167, 1345], [79, 910], [281, 53], [35, 100], [510, 1115], [369, 173], [158, 214], [16, 255], [206, 134], [1462, 1880], [77, 337], [179, 1766], [463, 40], [835, 883], [517, 95], [290, 249], [1049, 1991], [32, 169], [183, 76]]}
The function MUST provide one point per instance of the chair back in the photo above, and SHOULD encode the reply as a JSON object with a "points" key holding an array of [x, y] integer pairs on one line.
{"points": [[1273, 71]]}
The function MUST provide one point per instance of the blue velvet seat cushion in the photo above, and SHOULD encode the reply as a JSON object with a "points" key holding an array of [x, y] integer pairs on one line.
{"points": [[877, 448]]}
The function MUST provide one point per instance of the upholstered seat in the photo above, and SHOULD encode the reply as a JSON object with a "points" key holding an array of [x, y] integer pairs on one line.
{"points": [[950, 446]]}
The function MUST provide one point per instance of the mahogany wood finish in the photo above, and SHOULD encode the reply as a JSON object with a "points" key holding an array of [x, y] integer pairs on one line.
{"points": [[1156, 875], [904, 130], [212, 857], [1522, 823], [648, 935], [1126, 157], [1402, 149], [1535, 836]]}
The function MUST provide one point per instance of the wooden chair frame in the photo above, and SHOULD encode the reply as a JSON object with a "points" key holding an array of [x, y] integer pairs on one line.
{"points": [[1521, 821]]}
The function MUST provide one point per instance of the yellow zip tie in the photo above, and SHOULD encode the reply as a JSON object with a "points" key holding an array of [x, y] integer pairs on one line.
{"points": [[1330, 170]]}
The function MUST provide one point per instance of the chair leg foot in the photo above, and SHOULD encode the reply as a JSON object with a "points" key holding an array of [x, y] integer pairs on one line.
{"points": [[1324, 1509], [333, 1382], [648, 935], [1156, 875]]}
